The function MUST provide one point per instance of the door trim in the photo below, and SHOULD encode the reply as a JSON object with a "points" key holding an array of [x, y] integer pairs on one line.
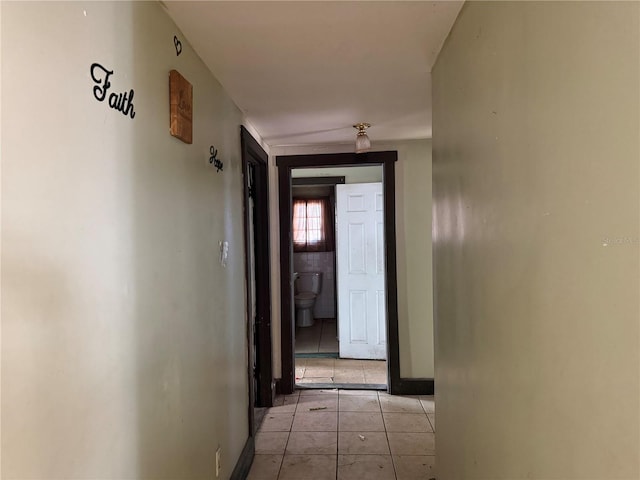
{"points": [[285, 164], [252, 153]]}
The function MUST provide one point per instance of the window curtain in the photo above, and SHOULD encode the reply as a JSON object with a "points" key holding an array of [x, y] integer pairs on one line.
{"points": [[313, 225]]}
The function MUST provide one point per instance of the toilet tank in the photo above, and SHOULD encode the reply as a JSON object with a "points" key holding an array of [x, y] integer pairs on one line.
{"points": [[309, 282]]}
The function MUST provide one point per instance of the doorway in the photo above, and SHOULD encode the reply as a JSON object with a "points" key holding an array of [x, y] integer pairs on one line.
{"points": [[258, 301], [286, 165], [340, 328]]}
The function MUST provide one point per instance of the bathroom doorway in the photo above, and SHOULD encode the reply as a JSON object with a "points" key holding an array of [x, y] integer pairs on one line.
{"points": [[312, 351]]}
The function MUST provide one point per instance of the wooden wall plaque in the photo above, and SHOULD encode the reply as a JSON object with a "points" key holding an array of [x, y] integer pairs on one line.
{"points": [[181, 107]]}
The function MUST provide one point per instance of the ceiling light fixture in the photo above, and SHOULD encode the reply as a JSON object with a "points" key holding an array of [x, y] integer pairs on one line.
{"points": [[362, 140]]}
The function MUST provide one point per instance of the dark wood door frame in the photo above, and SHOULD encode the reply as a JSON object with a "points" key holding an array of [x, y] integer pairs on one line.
{"points": [[285, 164], [254, 172]]}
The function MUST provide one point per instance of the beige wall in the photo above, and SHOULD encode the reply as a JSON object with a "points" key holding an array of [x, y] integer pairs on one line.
{"points": [[124, 340], [536, 241], [413, 223]]}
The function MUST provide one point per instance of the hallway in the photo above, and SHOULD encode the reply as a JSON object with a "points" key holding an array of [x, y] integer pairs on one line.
{"points": [[346, 434]]}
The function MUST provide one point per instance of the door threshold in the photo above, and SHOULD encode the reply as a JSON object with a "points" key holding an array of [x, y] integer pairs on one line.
{"points": [[341, 386], [318, 355]]}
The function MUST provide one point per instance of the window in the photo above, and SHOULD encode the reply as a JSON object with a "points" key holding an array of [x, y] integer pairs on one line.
{"points": [[313, 224]]}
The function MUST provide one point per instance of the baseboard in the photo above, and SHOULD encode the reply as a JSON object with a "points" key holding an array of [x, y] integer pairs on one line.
{"points": [[413, 386], [278, 386], [241, 470]]}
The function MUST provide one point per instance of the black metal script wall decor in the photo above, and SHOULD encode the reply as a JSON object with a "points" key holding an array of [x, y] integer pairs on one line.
{"points": [[178, 44], [214, 160], [118, 101]]}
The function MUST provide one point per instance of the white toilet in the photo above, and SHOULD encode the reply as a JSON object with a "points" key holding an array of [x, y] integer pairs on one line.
{"points": [[307, 287]]}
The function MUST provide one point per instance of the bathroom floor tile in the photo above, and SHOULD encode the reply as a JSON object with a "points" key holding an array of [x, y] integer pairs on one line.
{"points": [[414, 467], [313, 443], [363, 443], [363, 403], [271, 442], [406, 422], [277, 422], [308, 467], [412, 443], [349, 378], [315, 422], [265, 467], [375, 378], [348, 364], [361, 421], [369, 467]]}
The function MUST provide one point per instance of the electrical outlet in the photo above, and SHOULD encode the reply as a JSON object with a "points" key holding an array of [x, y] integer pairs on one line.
{"points": [[218, 466]]}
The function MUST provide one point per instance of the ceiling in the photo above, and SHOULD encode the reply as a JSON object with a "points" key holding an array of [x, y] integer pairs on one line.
{"points": [[303, 72]]}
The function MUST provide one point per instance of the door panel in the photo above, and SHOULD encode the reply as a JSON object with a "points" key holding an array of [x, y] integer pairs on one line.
{"points": [[360, 276]]}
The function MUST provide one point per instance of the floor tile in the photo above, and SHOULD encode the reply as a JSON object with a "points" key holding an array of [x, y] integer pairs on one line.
{"points": [[318, 391], [432, 420], [428, 403], [271, 442], [373, 393], [313, 443], [348, 363], [362, 443], [363, 403], [308, 467], [398, 404], [276, 422], [361, 421], [414, 467], [265, 467], [375, 378], [412, 443], [315, 422], [315, 372], [315, 380], [341, 377], [284, 405], [406, 422], [313, 403], [369, 467]]}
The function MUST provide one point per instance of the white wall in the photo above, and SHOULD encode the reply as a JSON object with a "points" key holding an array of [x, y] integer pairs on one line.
{"points": [[413, 224], [124, 340], [536, 182]]}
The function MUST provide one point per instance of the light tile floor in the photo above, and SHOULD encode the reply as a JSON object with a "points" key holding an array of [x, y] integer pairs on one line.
{"points": [[346, 435], [321, 337], [337, 370]]}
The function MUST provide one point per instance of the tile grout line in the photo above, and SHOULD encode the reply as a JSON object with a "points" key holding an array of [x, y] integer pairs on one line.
{"points": [[386, 434]]}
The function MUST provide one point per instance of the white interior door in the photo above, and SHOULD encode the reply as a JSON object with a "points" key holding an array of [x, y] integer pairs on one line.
{"points": [[360, 265]]}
